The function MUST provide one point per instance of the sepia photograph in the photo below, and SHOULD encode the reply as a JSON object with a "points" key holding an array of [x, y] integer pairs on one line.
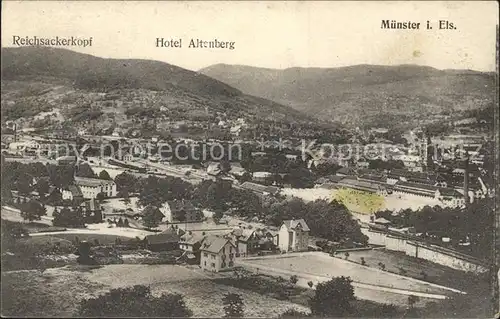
{"points": [[258, 159]]}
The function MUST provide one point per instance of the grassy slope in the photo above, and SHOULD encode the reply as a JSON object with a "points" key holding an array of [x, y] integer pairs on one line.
{"points": [[65, 79]]}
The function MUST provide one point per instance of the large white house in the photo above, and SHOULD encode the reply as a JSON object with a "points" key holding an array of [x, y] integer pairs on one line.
{"points": [[217, 254], [293, 235], [90, 187]]}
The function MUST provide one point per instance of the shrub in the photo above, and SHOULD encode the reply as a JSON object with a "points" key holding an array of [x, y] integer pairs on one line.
{"points": [[136, 301]]}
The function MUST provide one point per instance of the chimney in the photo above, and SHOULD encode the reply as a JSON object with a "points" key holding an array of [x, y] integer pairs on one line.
{"points": [[466, 179]]}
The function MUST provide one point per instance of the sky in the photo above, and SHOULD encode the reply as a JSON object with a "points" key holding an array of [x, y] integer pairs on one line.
{"points": [[268, 34]]}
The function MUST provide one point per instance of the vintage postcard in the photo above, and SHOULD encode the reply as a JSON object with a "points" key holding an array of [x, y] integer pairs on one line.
{"points": [[272, 159]]}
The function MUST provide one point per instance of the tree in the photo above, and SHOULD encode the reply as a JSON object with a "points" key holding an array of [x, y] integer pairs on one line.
{"points": [[126, 197], [136, 301], [363, 261], [155, 191], [151, 217], [24, 184], [84, 251], [233, 305], [84, 170], [423, 274], [68, 218], [217, 216], [10, 233], [61, 176], [101, 196], [333, 298], [32, 210], [346, 255], [301, 178], [104, 175], [225, 166], [126, 182], [42, 187], [294, 279], [412, 300], [381, 265], [310, 284]]}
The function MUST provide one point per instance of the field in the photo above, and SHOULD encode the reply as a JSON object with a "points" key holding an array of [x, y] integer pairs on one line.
{"points": [[371, 284], [63, 287], [393, 202], [414, 267]]}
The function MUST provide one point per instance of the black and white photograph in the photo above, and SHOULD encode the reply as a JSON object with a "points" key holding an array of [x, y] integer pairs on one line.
{"points": [[258, 159]]}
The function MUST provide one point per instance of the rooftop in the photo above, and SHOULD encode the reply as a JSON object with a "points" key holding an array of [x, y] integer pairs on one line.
{"points": [[260, 188], [92, 182], [214, 244], [294, 223], [360, 185]]}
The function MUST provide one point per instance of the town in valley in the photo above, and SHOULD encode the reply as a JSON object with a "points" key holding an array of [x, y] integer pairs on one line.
{"points": [[138, 188]]}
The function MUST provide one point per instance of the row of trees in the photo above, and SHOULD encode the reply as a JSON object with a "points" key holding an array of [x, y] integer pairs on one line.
{"points": [[38, 177], [328, 220], [474, 222]]}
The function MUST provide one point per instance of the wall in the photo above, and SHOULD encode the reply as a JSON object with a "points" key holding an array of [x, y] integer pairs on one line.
{"points": [[431, 253]]}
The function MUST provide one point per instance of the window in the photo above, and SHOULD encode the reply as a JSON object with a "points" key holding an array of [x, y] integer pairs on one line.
{"points": [[213, 256], [224, 250], [205, 255], [205, 263], [213, 265]]}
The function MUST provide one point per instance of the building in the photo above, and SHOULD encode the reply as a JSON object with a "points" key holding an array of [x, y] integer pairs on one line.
{"points": [[364, 186], [164, 241], [217, 254], [191, 242], [415, 177], [91, 187], [213, 169], [448, 196], [346, 171], [451, 197], [72, 193], [262, 177], [259, 189], [293, 235], [246, 241], [237, 170], [181, 211]]}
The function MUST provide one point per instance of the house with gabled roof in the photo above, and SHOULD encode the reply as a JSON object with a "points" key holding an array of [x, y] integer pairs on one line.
{"points": [[217, 253], [293, 235]]}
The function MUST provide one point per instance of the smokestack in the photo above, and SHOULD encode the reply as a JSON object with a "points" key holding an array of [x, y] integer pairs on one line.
{"points": [[466, 179]]}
